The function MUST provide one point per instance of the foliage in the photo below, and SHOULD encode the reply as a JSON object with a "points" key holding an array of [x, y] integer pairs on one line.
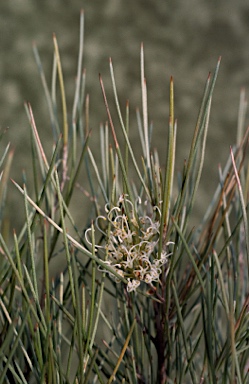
{"points": [[138, 296]]}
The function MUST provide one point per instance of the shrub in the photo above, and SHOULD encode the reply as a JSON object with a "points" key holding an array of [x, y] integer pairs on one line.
{"points": [[138, 295]]}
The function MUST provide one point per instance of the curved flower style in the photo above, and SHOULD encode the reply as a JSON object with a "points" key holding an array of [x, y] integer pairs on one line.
{"points": [[132, 243]]}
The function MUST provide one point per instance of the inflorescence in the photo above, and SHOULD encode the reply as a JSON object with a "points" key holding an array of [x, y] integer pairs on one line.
{"points": [[131, 243]]}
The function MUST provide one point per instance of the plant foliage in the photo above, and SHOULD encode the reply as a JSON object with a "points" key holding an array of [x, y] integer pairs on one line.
{"points": [[138, 295]]}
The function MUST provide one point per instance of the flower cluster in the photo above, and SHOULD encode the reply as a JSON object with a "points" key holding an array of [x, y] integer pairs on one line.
{"points": [[131, 243]]}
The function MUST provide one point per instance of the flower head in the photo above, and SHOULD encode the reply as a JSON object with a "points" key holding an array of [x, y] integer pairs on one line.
{"points": [[131, 243]]}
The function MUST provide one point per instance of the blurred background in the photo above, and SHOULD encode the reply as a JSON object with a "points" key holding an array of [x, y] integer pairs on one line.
{"points": [[181, 38]]}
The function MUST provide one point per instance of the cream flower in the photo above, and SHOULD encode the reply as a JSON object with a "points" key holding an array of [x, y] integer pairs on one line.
{"points": [[131, 242]]}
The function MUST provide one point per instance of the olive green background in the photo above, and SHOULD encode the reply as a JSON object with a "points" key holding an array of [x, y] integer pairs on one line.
{"points": [[181, 38]]}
